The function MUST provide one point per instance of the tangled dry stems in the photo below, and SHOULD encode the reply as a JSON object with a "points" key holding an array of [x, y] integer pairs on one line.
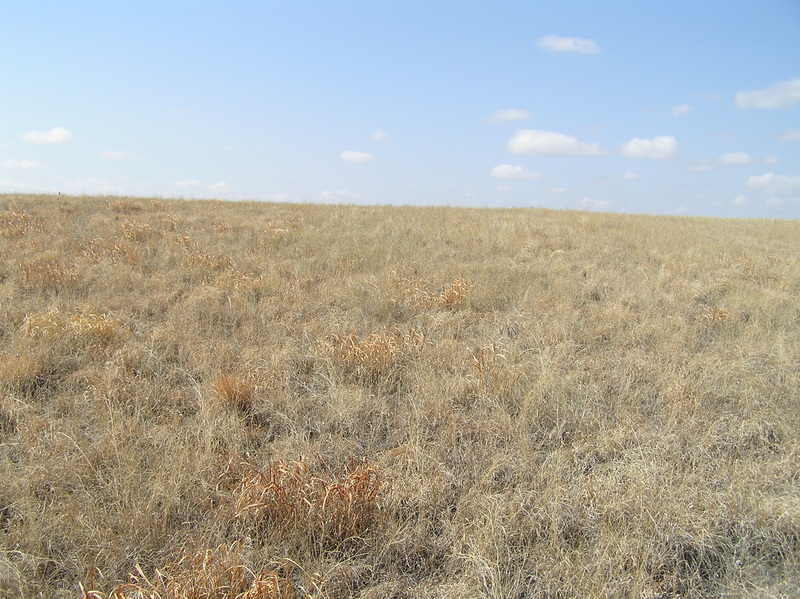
{"points": [[306, 497], [209, 574]]}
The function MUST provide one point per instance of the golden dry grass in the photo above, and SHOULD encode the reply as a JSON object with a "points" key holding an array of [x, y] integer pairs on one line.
{"points": [[218, 400]]}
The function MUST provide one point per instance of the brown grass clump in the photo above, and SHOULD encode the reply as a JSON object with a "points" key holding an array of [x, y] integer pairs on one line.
{"points": [[414, 293], [47, 274], [14, 223], [499, 403], [208, 574], [378, 358], [235, 392], [305, 498]]}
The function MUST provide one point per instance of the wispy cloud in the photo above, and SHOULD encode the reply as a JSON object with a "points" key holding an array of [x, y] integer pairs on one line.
{"points": [[780, 95], [774, 184], [508, 171], [5, 183], [56, 135], [659, 148], [736, 159], [727, 159], [534, 141], [221, 186], [92, 184], [791, 135], [681, 110], [629, 176], [22, 165], [574, 45], [338, 196], [739, 200], [353, 156], [379, 135], [186, 183], [506, 115], [117, 155], [593, 204]]}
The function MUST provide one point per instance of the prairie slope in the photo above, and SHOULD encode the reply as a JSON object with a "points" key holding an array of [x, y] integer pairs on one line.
{"points": [[395, 401]]}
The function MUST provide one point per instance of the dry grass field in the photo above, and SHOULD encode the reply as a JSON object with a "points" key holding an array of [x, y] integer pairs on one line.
{"points": [[210, 400]]}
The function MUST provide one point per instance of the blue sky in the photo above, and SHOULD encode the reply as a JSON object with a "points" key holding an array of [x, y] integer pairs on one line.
{"points": [[681, 107]]}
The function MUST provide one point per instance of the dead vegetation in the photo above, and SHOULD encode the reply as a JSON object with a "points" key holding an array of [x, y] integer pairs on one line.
{"points": [[252, 401]]}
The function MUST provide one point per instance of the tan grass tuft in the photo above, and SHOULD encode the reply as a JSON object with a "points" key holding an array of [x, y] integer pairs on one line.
{"points": [[378, 357], [47, 274], [217, 574], [14, 224], [305, 497], [414, 293], [236, 392]]}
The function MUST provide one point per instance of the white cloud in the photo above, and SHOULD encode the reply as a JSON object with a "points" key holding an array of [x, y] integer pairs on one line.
{"points": [[116, 154], [660, 148], [727, 159], [774, 184], [771, 160], [379, 135], [508, 171], [56, 135], [509, 114], [186, 183], [5, 183], [791, 135], [226, 149], [700, 166], [353, 156], [559, 190], [593, 204], [739, 200], [681, 110], [533, 141], [576, 45], [776, 202], [221, 186], [338, 196], [630, 175], [736, 159], [780, 95], [22, 165], [92, 184]]}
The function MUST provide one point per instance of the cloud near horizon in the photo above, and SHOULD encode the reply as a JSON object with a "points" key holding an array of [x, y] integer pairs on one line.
{"points": [[22, 165], [56, 135], [508, 115], [534, 141], [588, 203], [508, 171], [774, 184], [573, 45], [779, 95], [353, 156], [659, 148], [186, 183]]}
